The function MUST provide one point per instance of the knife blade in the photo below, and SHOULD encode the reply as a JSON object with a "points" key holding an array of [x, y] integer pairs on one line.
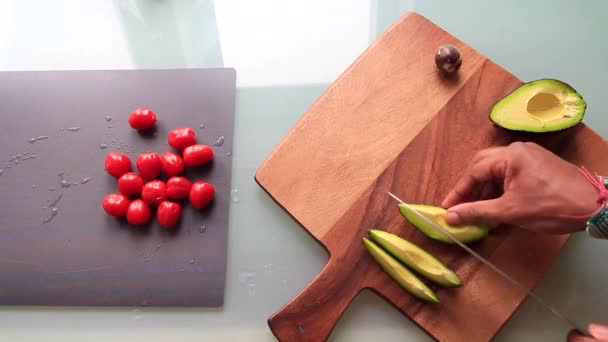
{"points": [[495, 268]]}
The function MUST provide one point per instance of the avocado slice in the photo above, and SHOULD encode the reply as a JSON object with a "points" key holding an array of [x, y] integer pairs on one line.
{"points": [[400, 273], [465, 233], [416, 258], [543, 105]]}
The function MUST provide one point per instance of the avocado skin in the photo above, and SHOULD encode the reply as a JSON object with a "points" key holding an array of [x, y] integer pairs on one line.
{"points": [[402, 249], [465, 234], [404, 277], [532, 129]]}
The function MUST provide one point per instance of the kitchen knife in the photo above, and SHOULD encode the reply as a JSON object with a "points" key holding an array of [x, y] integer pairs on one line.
{"points": [[514, 282]]}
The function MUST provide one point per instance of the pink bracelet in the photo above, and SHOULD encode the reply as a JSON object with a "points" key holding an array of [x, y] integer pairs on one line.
{"points": [[598, 182]]}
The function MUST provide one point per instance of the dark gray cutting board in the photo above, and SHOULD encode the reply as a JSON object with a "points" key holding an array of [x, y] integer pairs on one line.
{"points": [[83, 257]]}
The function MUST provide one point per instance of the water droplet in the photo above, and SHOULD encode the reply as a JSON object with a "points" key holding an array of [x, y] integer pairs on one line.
{"points": [[103, 146], [52, 214], [85, 180], [108, 118], [251, 289], [110, 126], [300, 328], [52, 189], [33, 140], [234, 195], [246, 277], [1, 171], [228, 154], [33, 186], [201, 126], [8, 166], [191, 261], [31, 156], [64, 182], [73, 129], [53, 203], [268, 268], [16, 161], [137, 316], [219, 141], [202, 229]]}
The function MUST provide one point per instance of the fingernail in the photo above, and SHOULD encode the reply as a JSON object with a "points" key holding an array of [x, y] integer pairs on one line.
{"points": [[452, 217], [600, 332]]}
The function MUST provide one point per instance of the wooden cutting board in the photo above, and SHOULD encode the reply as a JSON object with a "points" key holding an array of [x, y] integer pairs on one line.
{"points": [[390, 122]]}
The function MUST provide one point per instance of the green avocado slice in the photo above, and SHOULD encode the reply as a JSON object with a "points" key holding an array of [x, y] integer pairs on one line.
{"points": [[400, 273], [465, 234], [416, 258], [543, 105]]}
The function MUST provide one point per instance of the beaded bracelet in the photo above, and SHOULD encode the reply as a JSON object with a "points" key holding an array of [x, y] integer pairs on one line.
{"points": [[597, 223]]}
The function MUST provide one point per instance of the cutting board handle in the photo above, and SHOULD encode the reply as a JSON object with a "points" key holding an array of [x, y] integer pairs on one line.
{"points": [[313, 313]]}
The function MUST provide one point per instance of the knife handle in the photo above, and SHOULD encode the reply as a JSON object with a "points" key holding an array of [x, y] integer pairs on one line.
{"points": [[313, 313]]}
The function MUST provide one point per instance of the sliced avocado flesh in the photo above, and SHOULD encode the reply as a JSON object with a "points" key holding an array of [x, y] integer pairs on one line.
{"points": [[404, 277], [416, 258], [465, 233], [543, 105]]}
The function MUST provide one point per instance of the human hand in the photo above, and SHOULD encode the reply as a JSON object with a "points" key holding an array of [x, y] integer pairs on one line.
{"points": [[598, 333], [522, 185]]}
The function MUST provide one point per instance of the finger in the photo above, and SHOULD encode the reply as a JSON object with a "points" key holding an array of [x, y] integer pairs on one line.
{"points": [[576, 336], [600, 332], [488, 211], [488, 170]]}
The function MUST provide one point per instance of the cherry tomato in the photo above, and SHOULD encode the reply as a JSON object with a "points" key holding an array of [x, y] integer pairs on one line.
{"points": [[115, 204], [148, 165], [182, 137], [154, 192], [117, 164], [178, 188], [142, 119], [130, 184], [197, 155], [138, 213], [168, 214], [201, 194], [172, 164]]}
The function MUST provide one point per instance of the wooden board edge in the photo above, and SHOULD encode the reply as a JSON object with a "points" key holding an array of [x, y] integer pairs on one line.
{"points": [[259, 175]]}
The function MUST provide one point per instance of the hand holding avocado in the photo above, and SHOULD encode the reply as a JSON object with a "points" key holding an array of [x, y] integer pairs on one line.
{"points": [[522, 185]]}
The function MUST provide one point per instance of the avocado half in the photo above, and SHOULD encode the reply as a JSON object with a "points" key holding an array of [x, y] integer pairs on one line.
{"points": [[464, 233], [543, 105]]}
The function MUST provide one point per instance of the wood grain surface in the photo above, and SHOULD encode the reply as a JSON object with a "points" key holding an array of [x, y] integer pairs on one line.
{"points": [[391, 123]]}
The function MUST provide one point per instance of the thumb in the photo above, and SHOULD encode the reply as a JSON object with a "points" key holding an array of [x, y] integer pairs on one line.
{"points": [[489, 211]]}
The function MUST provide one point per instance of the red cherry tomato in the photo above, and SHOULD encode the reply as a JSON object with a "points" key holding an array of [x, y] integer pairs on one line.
{"points": [[168, 214], [182, 137], [142, 119], [154, 192], [117, 164], [197, 155], [172, 164], [148, 165], [115, 204], [201, 194], [130, 184], [138, 213], [178, 188]]}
